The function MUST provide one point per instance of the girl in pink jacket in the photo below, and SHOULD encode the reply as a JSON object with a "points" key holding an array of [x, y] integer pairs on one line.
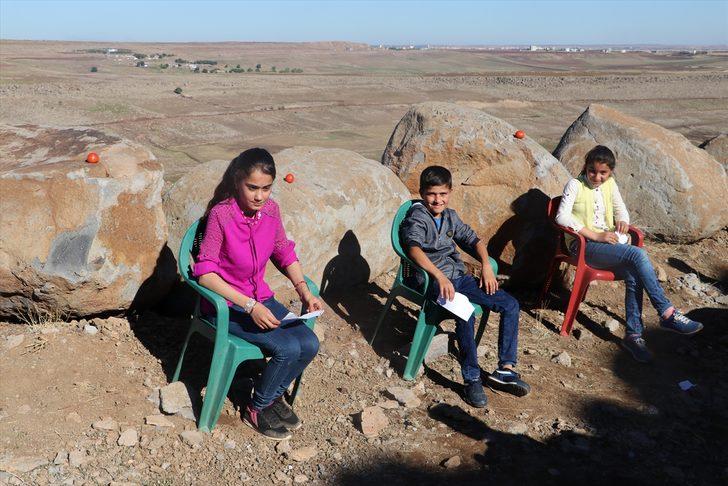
{"points": [[244, 230]]}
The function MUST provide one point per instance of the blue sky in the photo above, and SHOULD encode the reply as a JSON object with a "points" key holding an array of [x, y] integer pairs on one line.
{"points": [[373, 22]]}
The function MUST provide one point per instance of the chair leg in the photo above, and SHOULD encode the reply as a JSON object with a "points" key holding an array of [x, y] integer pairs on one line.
{"points": [[547, 283], [420, 344], [382, 315], [577, 294], [481, 327], [221, 361], [182, 354], [222, 390]]}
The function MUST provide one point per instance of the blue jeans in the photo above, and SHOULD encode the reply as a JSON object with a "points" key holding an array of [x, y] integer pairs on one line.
{"points": [[631, 264], [501, 302], [291, 348]]}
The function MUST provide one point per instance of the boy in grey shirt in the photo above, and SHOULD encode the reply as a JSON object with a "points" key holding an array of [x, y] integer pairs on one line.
{"points": [[430, 233]]}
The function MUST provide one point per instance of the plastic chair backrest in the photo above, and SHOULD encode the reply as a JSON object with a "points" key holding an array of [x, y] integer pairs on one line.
{"points": [[553, 208], [398, 218], [185, 253]]}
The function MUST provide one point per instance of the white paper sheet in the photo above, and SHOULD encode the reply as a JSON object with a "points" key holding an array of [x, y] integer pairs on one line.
{"points": [[290, 317], [460, 306], [622, 238]]}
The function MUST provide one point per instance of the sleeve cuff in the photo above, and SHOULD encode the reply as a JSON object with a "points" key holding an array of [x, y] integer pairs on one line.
{"points": [[201, 268]]}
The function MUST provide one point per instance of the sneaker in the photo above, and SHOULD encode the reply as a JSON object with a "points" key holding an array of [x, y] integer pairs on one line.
{"points": [[680, 323], [637, 347], [266, 422], [287, 416], [474, 394], [508, 381]]}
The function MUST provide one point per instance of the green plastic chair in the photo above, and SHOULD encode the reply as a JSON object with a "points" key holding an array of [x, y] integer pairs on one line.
{"points": [[431, 314], [229, 350]]}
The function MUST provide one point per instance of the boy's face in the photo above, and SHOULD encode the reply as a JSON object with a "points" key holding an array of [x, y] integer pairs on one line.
{"points": [[436, 198]]}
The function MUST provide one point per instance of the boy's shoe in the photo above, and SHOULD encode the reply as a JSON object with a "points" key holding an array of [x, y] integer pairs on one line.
{"points": [[266, 422], [680, 323], [508, 381], [287, 416], [474, 394], [637, 347]]}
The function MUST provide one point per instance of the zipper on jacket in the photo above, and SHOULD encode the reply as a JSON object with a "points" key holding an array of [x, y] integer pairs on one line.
{"points": [[255, 263]]}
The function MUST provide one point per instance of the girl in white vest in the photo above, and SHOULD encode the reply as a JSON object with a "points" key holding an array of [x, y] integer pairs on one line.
{"points": [[593, 207]]}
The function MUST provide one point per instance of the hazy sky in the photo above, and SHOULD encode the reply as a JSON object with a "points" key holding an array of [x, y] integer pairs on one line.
{"points": [[388, 22]]}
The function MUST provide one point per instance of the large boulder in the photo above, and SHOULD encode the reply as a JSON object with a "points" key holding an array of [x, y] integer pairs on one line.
{"points": [[501, 183], [718, 148], [78, 238], [673, 189], [338, 210]]}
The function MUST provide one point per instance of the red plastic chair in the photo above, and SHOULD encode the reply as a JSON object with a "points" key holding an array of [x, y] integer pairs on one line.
{"points": [[584, 273]]}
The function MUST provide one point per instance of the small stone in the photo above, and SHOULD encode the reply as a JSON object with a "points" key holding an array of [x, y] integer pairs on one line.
{"points": [[128, 438], [483, 352], [529, 351], [21, 464], [404, 396], [77, 458], [192, 437], [229, 444], [106, 423], [73, 417], [419, 388], [187, 413], [661, 273], [535, 367], [388, 372], [612, 325], [452, 462], [581, 375], [148, 382], [303, 454], [320, 331], [159, 420], [518, 428], [438, 348], [281, 476], [373, 421], [388, 404], [154, 397], [562, 358], [283, 447], [61, 458], [14, 340], [300, 478], [174, 397], [90, 329], [329, 362]]}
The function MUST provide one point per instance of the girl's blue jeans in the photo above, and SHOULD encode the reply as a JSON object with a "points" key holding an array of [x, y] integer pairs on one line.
{"points": [[291, 348], [631, 264], [500, 302]]}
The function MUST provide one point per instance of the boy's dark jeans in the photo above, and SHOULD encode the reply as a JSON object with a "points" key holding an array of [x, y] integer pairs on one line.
{"points": [[500, 302]]}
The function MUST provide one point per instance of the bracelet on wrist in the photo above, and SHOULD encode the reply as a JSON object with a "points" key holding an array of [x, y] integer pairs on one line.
{"points": [[248, 307], [298, 284]]}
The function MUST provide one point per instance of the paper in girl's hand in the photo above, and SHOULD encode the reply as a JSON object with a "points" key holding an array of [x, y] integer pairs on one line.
{"points": [[290, 317], [622, 238], [459, 305]]}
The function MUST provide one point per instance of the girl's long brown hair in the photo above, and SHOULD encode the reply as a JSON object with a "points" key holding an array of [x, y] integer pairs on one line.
{"points": [[241, 167]]}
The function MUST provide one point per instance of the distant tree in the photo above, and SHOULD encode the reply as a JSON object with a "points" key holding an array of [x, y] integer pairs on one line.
{"points": [[286, 70], [140, 64], [237, 67], [197, 69], [177, 90], [250, 70], [164, 66], [273, 69], [257, 67], [94, 69], [204, 71], [139, 56]]}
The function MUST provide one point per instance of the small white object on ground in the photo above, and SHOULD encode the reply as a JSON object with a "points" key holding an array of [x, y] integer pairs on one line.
{"points": [[686, 385]]}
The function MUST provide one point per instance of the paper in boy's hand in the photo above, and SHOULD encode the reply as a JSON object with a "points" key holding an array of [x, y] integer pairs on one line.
{"points": [[459, 305], [622, 238], [290, 317]]}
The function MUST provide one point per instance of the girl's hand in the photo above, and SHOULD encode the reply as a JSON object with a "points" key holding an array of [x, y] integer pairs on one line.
{"points": [[447, 290], [263, 317], [608, 237], [622, 227], [311, 302], [487, 280]]}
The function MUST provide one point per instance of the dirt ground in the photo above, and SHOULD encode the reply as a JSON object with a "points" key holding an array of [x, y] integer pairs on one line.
{"points": [[602, 419]]}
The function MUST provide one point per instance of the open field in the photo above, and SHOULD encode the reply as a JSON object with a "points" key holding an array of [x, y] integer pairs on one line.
{"points": [[348, 96]]}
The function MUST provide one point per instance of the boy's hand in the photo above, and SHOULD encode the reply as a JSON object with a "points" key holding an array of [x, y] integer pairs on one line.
{"points": [[488, 282], [447, 290]]}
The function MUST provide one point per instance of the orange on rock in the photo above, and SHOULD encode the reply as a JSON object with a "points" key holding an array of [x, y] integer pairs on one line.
{"points": [[92, 158], [519, 134], [289, 178]]}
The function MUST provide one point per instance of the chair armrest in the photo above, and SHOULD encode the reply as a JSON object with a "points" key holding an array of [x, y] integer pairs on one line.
{"points": [[580, 247], [222, 311], [638, 239]]}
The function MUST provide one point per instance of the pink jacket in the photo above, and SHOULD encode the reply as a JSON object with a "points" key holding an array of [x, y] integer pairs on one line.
{"points": [[237, 247]]}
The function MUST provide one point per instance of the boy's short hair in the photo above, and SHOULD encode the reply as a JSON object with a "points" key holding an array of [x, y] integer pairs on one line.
{"points": [[435, 175]]}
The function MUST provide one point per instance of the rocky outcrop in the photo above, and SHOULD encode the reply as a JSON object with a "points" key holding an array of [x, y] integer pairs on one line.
{"points": [[672, 189], [501, 183], [718, 148], [77, 238], [338, 210]]}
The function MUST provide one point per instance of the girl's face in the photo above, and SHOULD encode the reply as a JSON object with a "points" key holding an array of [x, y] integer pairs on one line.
{"points": [[254, 191], [597, 173]]}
